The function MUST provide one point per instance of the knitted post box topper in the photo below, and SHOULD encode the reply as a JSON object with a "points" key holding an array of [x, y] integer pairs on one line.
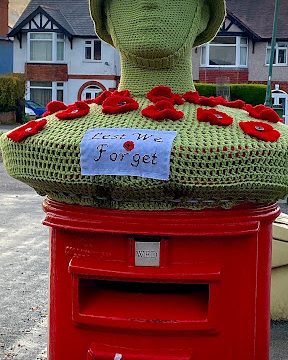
{"points": [[216, 158]]}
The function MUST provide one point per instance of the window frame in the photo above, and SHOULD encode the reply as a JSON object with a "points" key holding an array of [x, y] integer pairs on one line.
{"points": [[54, 41], [238, 45], [277, 48], [92, 50], [55, 86]]}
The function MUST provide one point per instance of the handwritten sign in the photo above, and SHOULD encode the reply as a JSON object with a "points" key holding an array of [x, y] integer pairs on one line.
{"points": [[120, 151]]}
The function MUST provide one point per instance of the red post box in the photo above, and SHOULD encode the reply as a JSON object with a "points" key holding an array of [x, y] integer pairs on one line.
{"points": [[185, 285]]}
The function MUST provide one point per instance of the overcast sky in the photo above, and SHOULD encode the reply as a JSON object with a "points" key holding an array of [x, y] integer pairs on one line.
{"points": [[15, 9]]}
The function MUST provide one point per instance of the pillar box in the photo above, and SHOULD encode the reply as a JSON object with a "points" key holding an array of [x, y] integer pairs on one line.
{"points": [[187, 285]]}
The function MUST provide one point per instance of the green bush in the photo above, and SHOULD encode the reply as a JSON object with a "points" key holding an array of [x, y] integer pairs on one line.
{"points": [[12, 92], [253, 94]]}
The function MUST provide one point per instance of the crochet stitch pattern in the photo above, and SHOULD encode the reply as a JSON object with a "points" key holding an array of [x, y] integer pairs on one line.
{"points": [[210, 165]]}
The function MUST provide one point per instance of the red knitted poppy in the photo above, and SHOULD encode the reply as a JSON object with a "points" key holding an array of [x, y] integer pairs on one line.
{"points": [[194, 98], [260, 130], [263, 112], [162, 92], [54, 106], [125, 93], [214, 117], [238, 104], [28, 129], [76, 110], [163, 109], [117, 104]]}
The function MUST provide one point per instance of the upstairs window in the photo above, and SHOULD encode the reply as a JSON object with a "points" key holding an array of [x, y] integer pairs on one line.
{"points": [[280, 54], [92, 50], [46, 47], [225, 51]]}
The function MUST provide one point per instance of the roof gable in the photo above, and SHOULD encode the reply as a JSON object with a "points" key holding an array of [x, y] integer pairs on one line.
{"points": [[70, 16], [257, 17]]}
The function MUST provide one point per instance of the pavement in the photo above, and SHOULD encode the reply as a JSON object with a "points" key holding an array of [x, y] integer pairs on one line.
{"points": [[24, 276]]}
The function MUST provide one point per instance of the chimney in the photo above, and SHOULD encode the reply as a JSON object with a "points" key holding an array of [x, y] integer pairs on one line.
{"points": [[4, 17]]}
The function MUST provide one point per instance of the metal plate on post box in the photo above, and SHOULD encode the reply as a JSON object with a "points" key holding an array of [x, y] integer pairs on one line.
{"points": [[147, 253]]}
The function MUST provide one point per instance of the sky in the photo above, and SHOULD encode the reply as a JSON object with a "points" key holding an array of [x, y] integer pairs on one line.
{"points": [[16, 7]]}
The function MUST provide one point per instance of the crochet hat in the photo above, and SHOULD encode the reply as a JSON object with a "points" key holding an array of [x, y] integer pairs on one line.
{"points": [[217, 15]]}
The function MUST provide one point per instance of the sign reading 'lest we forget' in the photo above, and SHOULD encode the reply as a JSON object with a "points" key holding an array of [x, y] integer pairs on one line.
{"points": [[121, 151]]}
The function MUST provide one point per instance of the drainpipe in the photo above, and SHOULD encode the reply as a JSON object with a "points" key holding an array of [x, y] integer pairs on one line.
{"points": [[268, 98]]}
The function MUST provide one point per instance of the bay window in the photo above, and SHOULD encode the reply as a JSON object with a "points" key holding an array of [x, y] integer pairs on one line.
{"points": [[46, 47], [225, 51], [42, 92]]}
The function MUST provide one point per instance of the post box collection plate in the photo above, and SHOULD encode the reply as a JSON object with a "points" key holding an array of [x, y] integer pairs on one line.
{"points": [[147, 253]]}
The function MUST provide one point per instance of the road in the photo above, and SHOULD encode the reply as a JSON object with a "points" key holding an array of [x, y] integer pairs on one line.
{"points": [[24, 277], [24, 272]]}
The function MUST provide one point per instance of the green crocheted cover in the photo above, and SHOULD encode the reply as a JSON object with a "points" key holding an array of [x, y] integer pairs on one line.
{"points": [[210, 165]]}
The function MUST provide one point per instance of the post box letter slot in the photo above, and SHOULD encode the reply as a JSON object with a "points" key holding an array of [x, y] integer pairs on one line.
{"points": [[157, 305], [105, 352]]}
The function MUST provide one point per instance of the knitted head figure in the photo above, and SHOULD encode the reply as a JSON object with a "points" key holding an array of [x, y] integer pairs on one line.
{"points": [[157, 35], [161, 10]]}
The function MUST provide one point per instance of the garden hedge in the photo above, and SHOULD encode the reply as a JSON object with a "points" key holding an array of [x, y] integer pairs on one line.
{"points": [[12, 92], [253, 94]]}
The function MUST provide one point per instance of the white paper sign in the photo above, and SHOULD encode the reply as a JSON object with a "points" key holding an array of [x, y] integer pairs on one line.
{"points": [[120, 151]]}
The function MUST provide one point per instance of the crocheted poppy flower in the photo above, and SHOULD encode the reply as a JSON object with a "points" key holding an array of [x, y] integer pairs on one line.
{"points": [[263, 112], [163, 109], [162, 92], [194, 98], [122, 93], [129, 145], [100, 98], [76, 110], [28, 129], [118, 104], [238, 104], [53, 106], [260, 130], [214, 117]]}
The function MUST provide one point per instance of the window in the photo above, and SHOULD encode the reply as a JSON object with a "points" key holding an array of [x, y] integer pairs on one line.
{"points": [[90, 92], [92, 50], [226, 51], [44, 91], [46, 47], [280, 54]]}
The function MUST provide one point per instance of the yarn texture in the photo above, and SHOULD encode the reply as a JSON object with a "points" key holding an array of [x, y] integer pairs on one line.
{"points": [[215, 160]]}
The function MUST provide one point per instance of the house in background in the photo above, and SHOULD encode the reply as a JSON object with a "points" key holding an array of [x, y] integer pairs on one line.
{"points": [[6, 44], [57, 49], [240, 53]]}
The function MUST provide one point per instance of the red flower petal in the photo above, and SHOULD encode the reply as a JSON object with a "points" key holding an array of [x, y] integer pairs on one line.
{"points": [[117, 104], [214, 117], [162, 92], [125, 93], [129, 145], [163, 109], [238, 104], [100, 98], [28, 129], [54, 106], [194, 98], [77, 110], [263, 112], [260, 130]]}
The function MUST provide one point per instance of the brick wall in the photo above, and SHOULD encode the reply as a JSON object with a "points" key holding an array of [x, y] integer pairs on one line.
{"points": [[3, 17], [46, 72], [236, 76]]}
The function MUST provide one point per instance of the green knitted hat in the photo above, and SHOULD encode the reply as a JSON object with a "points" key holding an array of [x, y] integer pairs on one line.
{"points": [[217, 9]]}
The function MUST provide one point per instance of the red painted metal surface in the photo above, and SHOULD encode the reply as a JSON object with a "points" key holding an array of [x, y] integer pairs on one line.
{"points": [[207, 298]]}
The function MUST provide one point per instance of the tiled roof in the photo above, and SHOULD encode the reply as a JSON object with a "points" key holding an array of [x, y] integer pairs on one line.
{"points": [[258, 16], [72, 15]]}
